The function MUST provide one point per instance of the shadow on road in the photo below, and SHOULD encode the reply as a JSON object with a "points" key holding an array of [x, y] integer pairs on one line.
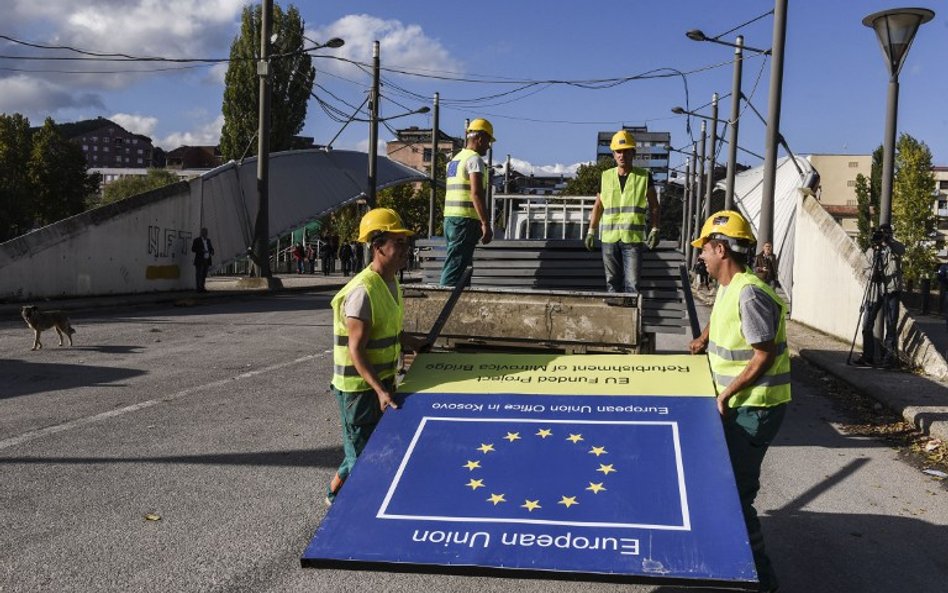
{"points": [[323, 457], [26, 378]]}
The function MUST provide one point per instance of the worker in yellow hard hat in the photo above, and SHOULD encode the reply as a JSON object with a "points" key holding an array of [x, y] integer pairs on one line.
{"points": [[626, 195], [466, 220], [746, 344], [368, 339]]}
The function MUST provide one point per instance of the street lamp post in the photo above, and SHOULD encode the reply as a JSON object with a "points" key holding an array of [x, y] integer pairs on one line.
{"points": [[374, 127], [765, 225], [896, 30], [712, 153], [261, 247], [739, 47], [735, 116]]}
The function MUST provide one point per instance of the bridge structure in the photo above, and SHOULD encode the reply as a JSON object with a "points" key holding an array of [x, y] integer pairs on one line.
{"points": [[143, 243]]}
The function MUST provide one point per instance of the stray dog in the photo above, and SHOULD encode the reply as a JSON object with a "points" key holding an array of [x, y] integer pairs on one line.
{"points": [[43, 320]]}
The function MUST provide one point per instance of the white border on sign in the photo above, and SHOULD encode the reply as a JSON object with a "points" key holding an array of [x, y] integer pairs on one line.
{"points": [[679, 466]]}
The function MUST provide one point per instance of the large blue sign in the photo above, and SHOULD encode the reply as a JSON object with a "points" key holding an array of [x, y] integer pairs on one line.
{"points": [[613, 487]]}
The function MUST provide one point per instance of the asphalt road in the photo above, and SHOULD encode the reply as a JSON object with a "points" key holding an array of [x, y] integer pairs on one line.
{"points": [[216, 418]]}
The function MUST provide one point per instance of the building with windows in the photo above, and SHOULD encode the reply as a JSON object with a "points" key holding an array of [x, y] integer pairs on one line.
{"points": [[412, 147], [651, 150], [837, 189], [194, 157], [941, 209], [106, 144]]}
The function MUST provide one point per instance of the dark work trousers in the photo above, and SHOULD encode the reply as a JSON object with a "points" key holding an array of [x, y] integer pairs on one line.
{"points": [[200, 275], [749, 432], [888, 303], [462, 235]]}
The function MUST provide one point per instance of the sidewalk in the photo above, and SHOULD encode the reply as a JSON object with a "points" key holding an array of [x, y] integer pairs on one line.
{"points": [[920, 399]]}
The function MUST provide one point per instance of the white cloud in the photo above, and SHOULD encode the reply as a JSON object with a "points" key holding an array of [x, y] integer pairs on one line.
{"points": [[401, 45], [208, 134], [137, 124], [528, 168], [37, 98]]}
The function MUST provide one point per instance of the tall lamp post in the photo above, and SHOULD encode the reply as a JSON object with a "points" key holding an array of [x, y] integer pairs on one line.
{"points": [[261, 239], [896, 30], [733, 123]]}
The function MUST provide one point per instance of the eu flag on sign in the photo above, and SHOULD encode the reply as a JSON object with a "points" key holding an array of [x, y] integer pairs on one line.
{"points": [[556, 472]]}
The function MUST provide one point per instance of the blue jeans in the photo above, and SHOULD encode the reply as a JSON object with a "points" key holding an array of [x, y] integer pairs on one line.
{"points": [[889, 305], [462, 235], [621, 261]]}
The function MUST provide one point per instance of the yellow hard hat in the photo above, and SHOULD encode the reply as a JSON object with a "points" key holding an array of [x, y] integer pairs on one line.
{"points": [[622, 140], [383, 220], [482, 125], [727, 224]]}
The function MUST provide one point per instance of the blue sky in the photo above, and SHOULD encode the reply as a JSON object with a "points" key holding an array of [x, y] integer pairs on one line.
{"points": [[834, 78]]}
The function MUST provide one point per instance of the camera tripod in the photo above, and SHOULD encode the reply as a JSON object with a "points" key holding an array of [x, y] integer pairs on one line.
{"points": [[873, 298]]}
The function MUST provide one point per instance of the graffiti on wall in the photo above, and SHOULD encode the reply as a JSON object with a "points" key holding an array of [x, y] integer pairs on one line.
{"points": [[166, 242]]}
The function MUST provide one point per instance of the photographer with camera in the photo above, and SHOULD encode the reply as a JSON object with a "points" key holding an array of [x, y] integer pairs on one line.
{"points": [[883, 293]]}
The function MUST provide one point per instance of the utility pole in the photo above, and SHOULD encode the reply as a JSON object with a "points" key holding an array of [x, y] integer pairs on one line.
{"points": [[735, 115], [711, 155], [261, 246], [699, 191], [685, 201], [374, 127], [765, 227], [434, 167]]}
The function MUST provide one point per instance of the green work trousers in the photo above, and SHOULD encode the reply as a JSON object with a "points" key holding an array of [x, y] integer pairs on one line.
{"points": [[749, 432], [462, 235], [359, 413]]}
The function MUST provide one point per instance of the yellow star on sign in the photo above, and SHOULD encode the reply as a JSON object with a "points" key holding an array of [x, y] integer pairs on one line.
{"points": [[475, 484], [531, 504], [544, 432], [597, 451], [595, 487], [472, 465], [486, 447], [513, 436], [575, 438], [496, 499], [567, 501], [606, 469]]}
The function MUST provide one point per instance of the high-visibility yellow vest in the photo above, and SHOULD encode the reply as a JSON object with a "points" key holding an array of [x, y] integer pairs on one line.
{"points": [[729, 352], [383, 347], [457, 196], [623, 209]]}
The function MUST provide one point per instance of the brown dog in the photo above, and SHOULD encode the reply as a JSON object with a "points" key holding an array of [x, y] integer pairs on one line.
{"points": [[43, 320]]}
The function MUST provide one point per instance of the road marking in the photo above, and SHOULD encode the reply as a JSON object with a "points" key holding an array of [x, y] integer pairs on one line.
{"points": [[79, 422]]}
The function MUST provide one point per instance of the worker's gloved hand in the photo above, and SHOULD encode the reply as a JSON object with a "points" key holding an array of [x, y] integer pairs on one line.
{"points": [[590, 241], [652, 240]]}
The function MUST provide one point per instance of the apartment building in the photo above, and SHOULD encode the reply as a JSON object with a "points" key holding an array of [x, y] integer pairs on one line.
{"points": [[106, 144], [651, 150]]}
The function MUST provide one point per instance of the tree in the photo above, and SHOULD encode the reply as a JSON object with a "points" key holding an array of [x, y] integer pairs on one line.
{"points": [[15, 190], [912, 196], [57, 174], [291, 74], [588, 178], [863, 211], [134, 185]]}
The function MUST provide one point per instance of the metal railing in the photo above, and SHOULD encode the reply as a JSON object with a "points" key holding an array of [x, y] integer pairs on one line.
{"points": [[542, 217]]}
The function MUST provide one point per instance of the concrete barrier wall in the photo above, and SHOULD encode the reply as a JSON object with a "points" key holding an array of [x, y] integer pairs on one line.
{"points": [[829, 284], [828, 273], [143, 243]]}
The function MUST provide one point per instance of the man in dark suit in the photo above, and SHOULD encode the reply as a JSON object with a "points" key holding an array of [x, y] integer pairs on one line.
{"points": [[203, 250]]}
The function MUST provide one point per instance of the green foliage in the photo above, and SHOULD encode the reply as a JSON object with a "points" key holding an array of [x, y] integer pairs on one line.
{"points": [[291, 75], [588, 178], [912, 216], [15, 189], [867, 206], [134, 185], [57, 176], [863, 212]]}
